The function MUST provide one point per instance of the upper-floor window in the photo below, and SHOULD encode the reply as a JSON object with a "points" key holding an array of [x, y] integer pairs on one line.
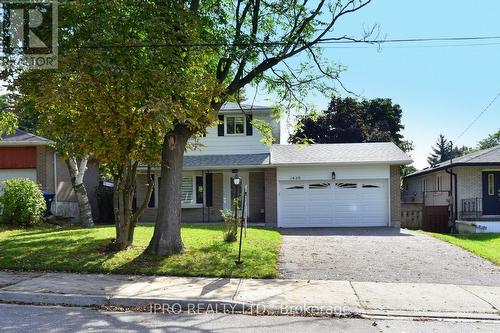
{"points": [[235, 125]]}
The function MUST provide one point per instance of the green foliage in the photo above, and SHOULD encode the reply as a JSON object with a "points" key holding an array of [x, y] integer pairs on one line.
{"points": [[230, 225], [82, 250], [490, 141], [22, 202], [350, 120], [443, 151], [116, 104], [8, 120]]}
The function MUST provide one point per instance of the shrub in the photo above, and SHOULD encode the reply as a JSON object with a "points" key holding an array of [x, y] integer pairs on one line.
{"points": [[230, 225], [22, 202]]}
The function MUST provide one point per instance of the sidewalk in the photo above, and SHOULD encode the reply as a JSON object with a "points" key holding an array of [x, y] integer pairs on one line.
{"points": [[366, 299]]}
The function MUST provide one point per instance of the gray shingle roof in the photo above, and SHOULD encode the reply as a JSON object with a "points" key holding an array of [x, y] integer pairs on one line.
{"points": [[226, 160], [339, 153], [20, 137], [232, 107], [485, 156]]}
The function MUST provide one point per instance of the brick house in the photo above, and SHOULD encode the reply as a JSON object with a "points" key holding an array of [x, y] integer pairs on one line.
{"points": [[469, 185], [25, 155], [323, 185]]}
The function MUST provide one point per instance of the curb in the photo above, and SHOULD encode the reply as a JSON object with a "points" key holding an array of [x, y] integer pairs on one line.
{"points": [[163, 305]]}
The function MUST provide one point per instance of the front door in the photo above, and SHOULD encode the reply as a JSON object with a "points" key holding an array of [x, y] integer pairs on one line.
{"points": [[491, 192], [230, 190]]}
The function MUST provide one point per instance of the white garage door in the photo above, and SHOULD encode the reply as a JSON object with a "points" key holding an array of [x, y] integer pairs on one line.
{"points": [[6, 174], [357, 203]]}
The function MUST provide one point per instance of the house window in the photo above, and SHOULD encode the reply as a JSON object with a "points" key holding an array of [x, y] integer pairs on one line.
{"points": [[346, 185], [370, 186], [491, 184], [235, 125], [439, 183], [319, 186], [295, 187], [187, 190]]}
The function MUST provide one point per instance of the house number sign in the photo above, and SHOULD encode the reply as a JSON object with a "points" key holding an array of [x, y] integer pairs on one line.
{"points": [[294, 177]]}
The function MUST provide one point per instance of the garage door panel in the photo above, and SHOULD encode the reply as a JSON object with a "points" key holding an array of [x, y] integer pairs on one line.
{"points": [[350, 203]]}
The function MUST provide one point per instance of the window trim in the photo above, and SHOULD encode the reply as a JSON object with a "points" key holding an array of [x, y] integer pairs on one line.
{"points": [[235, 116]]}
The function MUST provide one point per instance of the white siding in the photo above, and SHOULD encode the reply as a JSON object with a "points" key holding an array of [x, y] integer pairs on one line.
{"points": [[232, 145], [341, 172]]}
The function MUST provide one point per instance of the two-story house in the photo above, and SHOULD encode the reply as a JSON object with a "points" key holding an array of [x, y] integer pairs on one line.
{"points": [[321, 185]]}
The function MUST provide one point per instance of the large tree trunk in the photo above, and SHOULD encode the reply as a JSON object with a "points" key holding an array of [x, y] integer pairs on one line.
{"points": [[77, 172], [123, 195], [167, 234]]}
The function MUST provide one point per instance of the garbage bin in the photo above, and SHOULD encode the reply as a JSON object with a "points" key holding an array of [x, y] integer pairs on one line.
{"points": [[49, 197]]}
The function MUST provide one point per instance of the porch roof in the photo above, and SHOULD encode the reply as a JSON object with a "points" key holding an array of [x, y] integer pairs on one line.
{"points": [[225, 161], [490, 156]]}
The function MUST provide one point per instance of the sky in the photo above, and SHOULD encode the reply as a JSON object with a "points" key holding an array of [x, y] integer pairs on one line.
{"points": [[440, 87]]}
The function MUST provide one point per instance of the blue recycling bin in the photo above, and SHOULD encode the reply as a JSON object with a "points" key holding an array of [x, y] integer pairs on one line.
{"points": [[49, 198]]}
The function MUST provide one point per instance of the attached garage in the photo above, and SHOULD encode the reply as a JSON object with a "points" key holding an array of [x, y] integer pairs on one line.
{"points": [[327, 203], [338, 185]]}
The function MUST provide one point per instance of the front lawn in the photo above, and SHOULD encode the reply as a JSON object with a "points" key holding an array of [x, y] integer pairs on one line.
{"points": [[85, 250], [486, 245]]}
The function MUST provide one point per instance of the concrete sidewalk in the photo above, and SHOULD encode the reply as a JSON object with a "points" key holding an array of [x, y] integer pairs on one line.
{"points": [[368, 299]]}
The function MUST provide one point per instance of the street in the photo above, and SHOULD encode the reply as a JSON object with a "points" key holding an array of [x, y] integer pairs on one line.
{"points": [[26, 318]]}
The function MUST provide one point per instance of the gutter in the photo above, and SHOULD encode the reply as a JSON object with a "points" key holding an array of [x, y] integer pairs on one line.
{"points": [[22, 143], [444, 167]]}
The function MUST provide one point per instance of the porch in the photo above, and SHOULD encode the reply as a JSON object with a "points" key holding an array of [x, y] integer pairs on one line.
{"points": [[205, 193]]}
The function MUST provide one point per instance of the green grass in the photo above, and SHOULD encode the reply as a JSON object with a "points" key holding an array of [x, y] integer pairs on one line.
{"points": [[84, 250], [486, 245]]}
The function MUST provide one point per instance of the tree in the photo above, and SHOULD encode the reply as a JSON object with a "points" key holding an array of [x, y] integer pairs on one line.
{"points": [[348, 120], [443, 151], [490, 141], [117, 102], [254, 41], [8, 120]]}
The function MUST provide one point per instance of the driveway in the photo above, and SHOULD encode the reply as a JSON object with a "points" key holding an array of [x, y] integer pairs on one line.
{"points": [[380, 255]]}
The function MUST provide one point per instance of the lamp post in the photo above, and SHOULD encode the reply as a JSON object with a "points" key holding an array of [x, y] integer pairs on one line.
{"points": [[237, 181]]}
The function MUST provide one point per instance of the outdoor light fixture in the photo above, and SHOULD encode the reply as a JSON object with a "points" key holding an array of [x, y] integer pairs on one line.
{"points": [[237, 180], [333, 175]]}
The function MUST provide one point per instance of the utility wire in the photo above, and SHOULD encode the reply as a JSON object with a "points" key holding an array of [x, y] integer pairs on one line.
{"points": [[324, 41], [477, 117]]}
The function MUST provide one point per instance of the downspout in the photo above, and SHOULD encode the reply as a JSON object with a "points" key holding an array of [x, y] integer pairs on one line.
{"points": [[453, 176]]}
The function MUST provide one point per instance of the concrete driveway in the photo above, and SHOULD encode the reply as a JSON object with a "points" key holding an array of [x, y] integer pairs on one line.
{"points": [[380, 255]]}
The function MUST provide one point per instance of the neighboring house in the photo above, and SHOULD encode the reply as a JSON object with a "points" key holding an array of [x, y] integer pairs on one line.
{"points": [[25, 155], [473, 195], [327, 185]]}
